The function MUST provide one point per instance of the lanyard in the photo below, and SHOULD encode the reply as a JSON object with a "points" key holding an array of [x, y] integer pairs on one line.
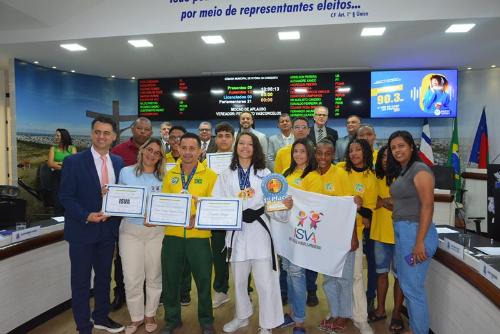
{"points": [[185, 184], [244, 177]]}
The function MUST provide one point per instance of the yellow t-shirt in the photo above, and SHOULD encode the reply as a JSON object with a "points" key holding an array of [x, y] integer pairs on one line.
{"points": [[201, 185], [363, 184], [283, 159], [335, 182], [382, 229], [169, 158], [312, 182]]}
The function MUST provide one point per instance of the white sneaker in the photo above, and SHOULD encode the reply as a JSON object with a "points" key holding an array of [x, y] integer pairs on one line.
{"points": [[264, 331], [363, 327], [220, 298], [234, 325]]}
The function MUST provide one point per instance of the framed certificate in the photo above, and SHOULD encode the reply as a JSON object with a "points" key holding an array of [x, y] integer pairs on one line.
{"points": [[125, 201], [218, 213], [218, 162], [169, 209]]}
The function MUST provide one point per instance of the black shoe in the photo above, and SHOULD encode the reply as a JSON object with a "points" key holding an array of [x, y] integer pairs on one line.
{"points": [[109, 325], [117, 302], [170, 330], [185, 300], [312, 299], [284, 300], [370, 303], [207, 330]]}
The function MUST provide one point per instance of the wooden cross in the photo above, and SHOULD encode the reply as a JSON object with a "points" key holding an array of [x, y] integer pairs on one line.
{"points": [[115, 116]]}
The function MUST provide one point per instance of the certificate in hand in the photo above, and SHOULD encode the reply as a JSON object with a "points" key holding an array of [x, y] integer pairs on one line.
{"points": [[218, 213], [124, 201], [169, 209], [218, 162]]}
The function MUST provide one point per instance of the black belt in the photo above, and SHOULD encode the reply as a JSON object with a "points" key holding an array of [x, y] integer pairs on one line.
{"points": [[249, 216]]}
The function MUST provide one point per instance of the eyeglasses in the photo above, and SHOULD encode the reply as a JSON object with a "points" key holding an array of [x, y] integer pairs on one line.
{"points": [[150, 150], [300, 127], [321, 115], [204, 130]]}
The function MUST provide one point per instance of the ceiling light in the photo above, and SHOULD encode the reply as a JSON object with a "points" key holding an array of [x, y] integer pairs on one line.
{"points": [[288, 35], [54, 67], [213, 39], [179, 95], [374, 31], [300, 90], [112, 75], [35, 62], [457, 28], [469, 68], [356, 102], [73, 71], [133, 78], [344, 89], [217, 91], [493, 66], [141, 43], [73, 47]]}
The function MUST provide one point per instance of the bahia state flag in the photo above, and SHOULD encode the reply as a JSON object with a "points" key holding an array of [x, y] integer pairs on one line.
{"points": [[479, 151], [425, 153], [454, 162]]}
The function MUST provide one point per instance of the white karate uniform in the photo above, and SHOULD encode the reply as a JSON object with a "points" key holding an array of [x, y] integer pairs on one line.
{"points": [[251, 252]]}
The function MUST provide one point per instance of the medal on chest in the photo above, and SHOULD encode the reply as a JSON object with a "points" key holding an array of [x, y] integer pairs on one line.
{"points": [[246, 191]]}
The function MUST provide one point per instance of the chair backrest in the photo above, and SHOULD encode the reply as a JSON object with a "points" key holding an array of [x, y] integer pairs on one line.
{"points": [[9, 191], [444, 177]]}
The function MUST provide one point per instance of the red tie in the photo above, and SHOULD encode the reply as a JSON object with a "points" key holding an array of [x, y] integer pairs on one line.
{"points": [[104, 171]]}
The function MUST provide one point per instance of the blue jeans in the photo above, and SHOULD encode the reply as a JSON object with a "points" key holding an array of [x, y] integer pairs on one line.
{"points": [[296, 282], [412, 277], [311, 277], [384, 257], [338, 290]]}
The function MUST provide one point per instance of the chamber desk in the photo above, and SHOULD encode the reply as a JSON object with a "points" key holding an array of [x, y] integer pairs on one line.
{"points": [[461, 300], [34, 276]]}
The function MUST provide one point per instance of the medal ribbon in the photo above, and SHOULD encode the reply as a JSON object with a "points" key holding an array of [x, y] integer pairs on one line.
{"points": [[244, 177], [185, 184]]}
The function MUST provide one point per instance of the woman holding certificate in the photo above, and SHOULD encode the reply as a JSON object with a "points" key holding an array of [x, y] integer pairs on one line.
{"points": [[251, 249], [302, 175], [140, 246]]}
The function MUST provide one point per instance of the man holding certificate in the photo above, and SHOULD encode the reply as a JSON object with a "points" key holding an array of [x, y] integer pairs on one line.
{"points": [[251, 249], [91, 234], [187, 244]]}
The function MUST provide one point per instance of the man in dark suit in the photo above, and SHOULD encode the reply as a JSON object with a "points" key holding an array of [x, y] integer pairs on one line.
{"points": [[91, 234], [207, 141], [320, 130]]}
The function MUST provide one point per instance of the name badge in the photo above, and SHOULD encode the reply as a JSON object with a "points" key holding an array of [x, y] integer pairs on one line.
{"points": [[454, 248]]}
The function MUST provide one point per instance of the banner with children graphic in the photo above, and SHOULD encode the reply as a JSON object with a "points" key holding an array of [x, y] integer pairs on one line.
{"points": [[318, 234]]}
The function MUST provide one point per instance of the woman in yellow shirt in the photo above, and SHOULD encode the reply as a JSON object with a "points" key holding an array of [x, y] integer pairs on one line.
{"points": [[382, 233], [362, 180], [302, 175]]}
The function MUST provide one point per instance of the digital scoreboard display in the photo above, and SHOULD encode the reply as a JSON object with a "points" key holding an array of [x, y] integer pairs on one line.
{"points": [[264, 95], [173, 98], [261, 95]]}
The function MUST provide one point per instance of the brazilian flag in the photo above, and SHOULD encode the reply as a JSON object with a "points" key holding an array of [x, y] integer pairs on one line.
{"points": [[454, 162]]}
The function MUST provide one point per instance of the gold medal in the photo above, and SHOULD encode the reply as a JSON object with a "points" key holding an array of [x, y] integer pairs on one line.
{"points": [[242, 194], [250, 192]]}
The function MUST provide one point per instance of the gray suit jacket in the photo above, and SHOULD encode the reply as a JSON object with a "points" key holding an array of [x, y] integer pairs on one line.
{"points": [[275, 143], [341, 147]]}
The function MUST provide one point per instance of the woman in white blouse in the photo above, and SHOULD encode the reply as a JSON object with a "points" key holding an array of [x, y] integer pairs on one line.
{"points": [[251, 248]]}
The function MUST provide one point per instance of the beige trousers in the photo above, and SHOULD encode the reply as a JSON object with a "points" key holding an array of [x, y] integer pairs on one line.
{"points": [[140, 249]]}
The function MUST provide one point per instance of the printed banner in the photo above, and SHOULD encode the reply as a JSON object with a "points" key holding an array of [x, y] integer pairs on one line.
{"points": [[318, 234]]}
